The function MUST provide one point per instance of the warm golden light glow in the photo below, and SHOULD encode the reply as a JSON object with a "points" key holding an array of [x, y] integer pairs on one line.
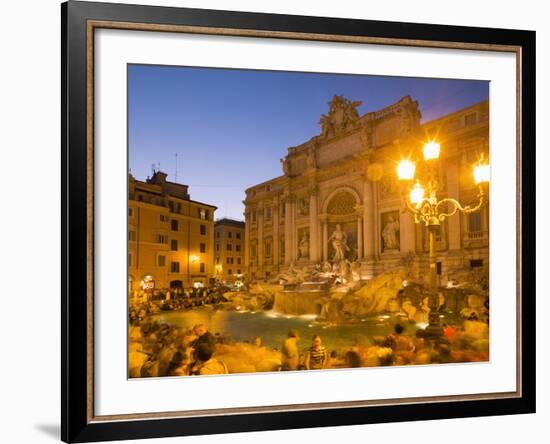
{"points": [[417, 194], [482, 173], [405, 170], [431, 151], [193, 258]]}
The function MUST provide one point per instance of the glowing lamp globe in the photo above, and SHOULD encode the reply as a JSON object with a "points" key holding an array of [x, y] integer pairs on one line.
{"points": [[431, 151], [416, 194], [482, 173], [405, 170]]}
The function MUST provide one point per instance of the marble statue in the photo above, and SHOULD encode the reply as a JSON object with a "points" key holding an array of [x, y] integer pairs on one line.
{"points": [[342, 114], [390, 234], [339, 243], [303, 247]]}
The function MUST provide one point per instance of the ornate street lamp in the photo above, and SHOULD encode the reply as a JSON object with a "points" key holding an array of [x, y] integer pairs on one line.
{"points": [[421, 200]]}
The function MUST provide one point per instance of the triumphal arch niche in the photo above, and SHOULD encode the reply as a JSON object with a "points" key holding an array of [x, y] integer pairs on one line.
{"points": [[338, 197], [342, 233]]}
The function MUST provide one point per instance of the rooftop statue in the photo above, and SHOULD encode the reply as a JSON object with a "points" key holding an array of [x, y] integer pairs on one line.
{"points": [[342, 114]]}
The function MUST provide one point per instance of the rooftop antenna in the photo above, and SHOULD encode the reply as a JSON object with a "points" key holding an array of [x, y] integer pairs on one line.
{"points": [[153, 168]]}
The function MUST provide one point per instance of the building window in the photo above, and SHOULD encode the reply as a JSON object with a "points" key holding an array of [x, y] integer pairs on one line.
{"points": [[131, 235], [238, 261], [476, 263], [238, 235], [217, 247], [238, 271], [474, 222], [174, 245], [202, 247], [174, 267], [203, 213], [237, 248], [267, 213], [175, 207], [163, 218], [130, 261], [230, 272], [438, 268], [161, 261], [202, 267], [229, 234], [203, 230], [254, 216], [229, 247], [227, 260], [282, 211], [174, 225], [470, 119], [217, 234], [162, 239], [130, 212]]}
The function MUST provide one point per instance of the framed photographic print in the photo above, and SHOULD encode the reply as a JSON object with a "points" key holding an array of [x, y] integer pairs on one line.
{"points": [[277, 221]]}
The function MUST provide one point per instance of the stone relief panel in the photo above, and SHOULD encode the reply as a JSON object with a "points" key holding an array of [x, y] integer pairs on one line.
{"points": [[303, 206], [339, 149], [390, 230], [388, 187]]}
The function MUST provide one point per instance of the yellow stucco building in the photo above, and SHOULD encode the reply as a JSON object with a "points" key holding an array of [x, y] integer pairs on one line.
{"points": [[229, 238], [170, 236]]}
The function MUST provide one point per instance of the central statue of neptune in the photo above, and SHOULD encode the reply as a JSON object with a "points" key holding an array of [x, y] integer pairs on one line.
{"points": [[339, 244]]}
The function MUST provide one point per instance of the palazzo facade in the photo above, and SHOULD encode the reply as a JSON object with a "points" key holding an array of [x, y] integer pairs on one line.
{"points": [[342, 184], [170, 236]]}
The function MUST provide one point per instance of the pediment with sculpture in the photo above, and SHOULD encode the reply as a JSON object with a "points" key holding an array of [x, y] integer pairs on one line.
{"points": [[342, 115]]}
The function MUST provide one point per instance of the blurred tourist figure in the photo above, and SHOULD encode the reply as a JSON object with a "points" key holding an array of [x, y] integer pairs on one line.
{"points": [[290, 351], [316, 357], [206, 364], [353, 360], [203, 336]]}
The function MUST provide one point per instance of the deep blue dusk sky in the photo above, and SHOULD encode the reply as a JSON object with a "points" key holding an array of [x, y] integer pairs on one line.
{"points": [[231, 127]]}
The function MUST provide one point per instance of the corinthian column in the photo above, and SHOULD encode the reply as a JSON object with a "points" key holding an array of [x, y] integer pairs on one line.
{"points": [[293, 240], [260, 219], [246, 239], [324, 223], [275, 246], [313, 224], [288, 230], [360, 235], [368, 220]]}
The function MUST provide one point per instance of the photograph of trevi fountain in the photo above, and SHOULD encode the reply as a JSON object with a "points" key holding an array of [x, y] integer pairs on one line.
{"points": [[366, 244]]}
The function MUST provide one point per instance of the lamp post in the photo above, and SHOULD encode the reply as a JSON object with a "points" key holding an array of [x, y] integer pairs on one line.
{"points": [[421, 200]]}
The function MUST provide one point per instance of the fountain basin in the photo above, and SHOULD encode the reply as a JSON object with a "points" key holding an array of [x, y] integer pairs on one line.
{"points": [[306, 298]]}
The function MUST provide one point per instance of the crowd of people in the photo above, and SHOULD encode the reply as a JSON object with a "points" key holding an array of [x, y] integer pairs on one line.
{"points": [[158, 349], [143, 305]]}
